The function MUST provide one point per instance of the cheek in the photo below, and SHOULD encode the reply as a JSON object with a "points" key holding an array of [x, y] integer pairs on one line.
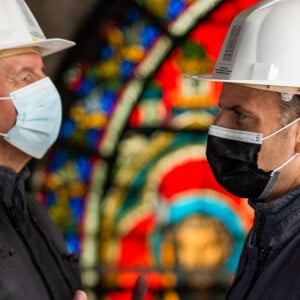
{"points": [[265, 159], [8, 116], [274, 152]]}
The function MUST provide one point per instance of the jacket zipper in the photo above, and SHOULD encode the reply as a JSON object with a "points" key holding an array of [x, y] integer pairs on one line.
{"points": [[262, 255], [261, 260]]}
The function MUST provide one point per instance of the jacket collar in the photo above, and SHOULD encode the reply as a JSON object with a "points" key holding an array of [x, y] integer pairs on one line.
{"points": [[12, 188], [277, 221]]}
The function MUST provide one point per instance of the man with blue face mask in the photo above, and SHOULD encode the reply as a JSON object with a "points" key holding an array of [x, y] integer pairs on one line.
{"points": [[254, 144], [34, 263]]}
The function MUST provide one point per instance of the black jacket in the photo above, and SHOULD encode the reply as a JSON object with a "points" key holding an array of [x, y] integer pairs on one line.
{"points": [[34, 263], [270, 263]]}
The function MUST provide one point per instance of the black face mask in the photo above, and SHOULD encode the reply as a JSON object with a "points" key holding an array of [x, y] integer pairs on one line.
{"points": [[232, 156]]}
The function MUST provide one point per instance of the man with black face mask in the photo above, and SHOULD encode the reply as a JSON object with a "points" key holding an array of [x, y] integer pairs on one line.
{"points": [[254, 143]]}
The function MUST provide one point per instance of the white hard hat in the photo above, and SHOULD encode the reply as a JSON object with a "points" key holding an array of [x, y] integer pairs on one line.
{"points": [[262, 48], [20, 30]]}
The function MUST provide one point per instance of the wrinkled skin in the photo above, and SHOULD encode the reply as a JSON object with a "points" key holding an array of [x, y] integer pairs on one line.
{"points": [[16, 72]]}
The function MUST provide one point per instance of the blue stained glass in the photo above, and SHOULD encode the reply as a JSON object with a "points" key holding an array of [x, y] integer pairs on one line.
{"points": [[72, 244], [126, 69], [174, 9], [148, 36], [86, 86], [92, 137], [76, 206], [107, 52], [83, 168], [132, 16], [50, 199], [59, 159], [107, 101], [67, 129]]}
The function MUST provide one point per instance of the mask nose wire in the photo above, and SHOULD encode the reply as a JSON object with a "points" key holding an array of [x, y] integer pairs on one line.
{"points": [[281, 129]]}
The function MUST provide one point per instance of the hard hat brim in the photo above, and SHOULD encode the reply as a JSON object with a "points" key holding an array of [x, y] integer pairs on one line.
{"points": [[281, 87], [47, 46]]}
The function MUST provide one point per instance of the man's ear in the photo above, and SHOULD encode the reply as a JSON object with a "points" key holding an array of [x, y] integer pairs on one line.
{"points": [[297, 144]]}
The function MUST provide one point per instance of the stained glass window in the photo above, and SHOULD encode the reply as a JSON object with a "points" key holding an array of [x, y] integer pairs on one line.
{"points": [[128, 181]]}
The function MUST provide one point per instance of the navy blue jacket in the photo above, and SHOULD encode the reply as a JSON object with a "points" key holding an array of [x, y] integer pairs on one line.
{"points": [[34, 263], [269, 267]]}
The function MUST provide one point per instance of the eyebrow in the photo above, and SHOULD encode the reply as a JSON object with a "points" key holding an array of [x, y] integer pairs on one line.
{"points": [[17, 73], [239, 108], [235, 107], [15, 69], [24, 70]]}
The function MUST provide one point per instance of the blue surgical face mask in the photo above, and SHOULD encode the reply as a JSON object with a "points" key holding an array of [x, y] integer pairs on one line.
{"points": [[39, 115]]}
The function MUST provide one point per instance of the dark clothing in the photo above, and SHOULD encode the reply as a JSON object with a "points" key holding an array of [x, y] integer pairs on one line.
{"points": [[270, 263], [34, 263]]}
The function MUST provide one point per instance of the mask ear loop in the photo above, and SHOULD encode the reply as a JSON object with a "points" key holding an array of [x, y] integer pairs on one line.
{"points": [[281, 129], [285, 163], [274, 177], [4, 98]]}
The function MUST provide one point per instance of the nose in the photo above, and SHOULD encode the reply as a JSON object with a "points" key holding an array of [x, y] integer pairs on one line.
{"points": [[40, 75], [220, 119]]}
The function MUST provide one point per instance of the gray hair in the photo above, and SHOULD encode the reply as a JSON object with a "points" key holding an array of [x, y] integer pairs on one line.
{"points": [[290, 110]]}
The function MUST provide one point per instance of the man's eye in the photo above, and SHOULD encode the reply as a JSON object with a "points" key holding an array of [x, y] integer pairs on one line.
{"points": [[27, 78], [240, 115]]}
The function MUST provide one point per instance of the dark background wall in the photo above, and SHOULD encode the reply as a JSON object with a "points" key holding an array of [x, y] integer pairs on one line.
{"points": [[60, 18]]}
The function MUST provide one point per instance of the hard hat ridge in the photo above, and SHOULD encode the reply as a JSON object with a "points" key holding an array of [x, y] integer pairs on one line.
{"points": [[262, 47], [20, 30]]}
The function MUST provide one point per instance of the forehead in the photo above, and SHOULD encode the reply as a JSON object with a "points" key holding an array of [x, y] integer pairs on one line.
{"points": [[249, 109], [249, 98], [14, 64]]}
